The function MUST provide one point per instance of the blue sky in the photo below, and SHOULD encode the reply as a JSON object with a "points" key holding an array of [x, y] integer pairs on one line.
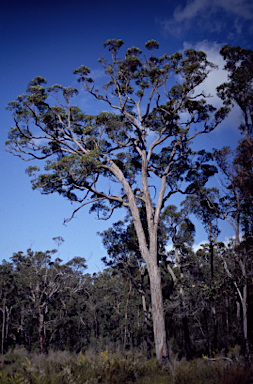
{"points": [[51, 39]]}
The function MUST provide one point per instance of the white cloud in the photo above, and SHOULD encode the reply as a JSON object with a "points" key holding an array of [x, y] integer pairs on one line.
{"points": [[228, 239], [215, 78], [238, 26], [97, 74], [169, 247], [191, 10], [242, 8], [208, 15], [196, 247]]}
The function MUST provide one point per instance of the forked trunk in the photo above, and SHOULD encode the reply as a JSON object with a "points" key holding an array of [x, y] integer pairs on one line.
{"points": [[149, 254], [158, 312]]}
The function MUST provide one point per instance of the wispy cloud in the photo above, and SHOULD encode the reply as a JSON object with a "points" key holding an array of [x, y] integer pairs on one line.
{"points": [[195, 247], [215, 78], [208, 15], [97, 74]]}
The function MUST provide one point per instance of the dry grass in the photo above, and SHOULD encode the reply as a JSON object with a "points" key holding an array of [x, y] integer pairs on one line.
{"points": [[62, 367]]}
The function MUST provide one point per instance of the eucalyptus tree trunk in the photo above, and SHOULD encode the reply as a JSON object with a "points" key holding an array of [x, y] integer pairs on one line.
{"points": [[208, 346], [244, 307], [3, 309], [22, 323], [42, 330], [8, 315], [158, 312], [213, 309], [126, 315], [243, 294], [148, 249]]}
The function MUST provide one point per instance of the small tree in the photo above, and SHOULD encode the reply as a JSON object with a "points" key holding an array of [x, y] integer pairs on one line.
{"points": [[142, 148], [40, 279]]}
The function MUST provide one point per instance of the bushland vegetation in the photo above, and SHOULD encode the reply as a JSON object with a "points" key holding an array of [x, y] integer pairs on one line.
{"points": [[91, 367]]}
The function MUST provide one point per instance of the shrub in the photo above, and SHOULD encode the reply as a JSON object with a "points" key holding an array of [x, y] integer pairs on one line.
{"points": [[62, 367]]}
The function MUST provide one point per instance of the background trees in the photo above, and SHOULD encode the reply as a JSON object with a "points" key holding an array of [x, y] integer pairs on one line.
{"points": [[237, 169], [105, 311], [37, 282]]}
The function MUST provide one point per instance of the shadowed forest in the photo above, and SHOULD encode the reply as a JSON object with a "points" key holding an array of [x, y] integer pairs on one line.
{"points": [[48, 305]]}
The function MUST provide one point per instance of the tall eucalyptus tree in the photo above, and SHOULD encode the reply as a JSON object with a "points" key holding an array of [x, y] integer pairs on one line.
{"points": [[141, 147]]}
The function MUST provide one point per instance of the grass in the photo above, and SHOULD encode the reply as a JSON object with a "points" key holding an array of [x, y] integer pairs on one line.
{"points": [[62, 367]]}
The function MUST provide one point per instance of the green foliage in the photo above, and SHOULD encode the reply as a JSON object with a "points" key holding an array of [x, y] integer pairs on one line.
{"points": [[237, 165], [239, 64], [80, 149]]}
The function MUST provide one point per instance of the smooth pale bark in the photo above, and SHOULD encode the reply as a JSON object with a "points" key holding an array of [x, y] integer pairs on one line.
{"points": [[244, 306], [208, 346], [42, 330], [8, 315], [243, 295], [213, 309], [227, 315], [149, 251], [158, 312], [215, 325], [22, 323], [153, 217], [126, 315], [3, 309]]}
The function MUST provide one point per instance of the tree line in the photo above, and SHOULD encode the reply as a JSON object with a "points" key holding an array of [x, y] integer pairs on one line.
{"points": [[143, 147], [49, 305]]}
